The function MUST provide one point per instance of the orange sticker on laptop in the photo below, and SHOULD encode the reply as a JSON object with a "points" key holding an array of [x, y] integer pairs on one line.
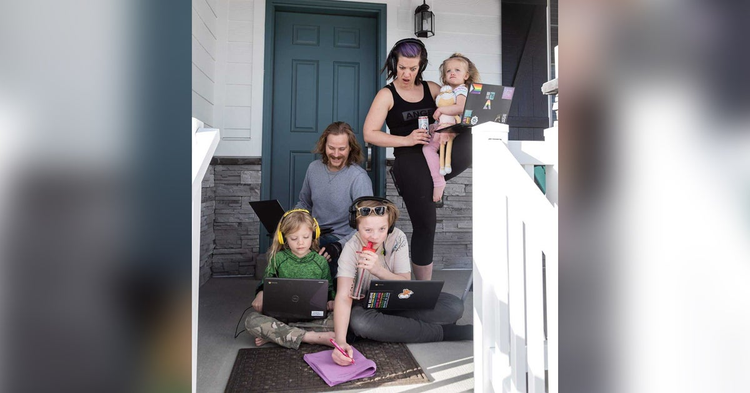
{"points": [[405, 294]]}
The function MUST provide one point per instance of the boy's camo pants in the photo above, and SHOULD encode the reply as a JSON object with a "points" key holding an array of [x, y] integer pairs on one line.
{"points": [[287, 335]]}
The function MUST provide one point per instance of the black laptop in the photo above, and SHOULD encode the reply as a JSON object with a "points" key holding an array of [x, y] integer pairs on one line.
{"points": [[270, 212], [484, 103], [403, 294], [293, 299]]}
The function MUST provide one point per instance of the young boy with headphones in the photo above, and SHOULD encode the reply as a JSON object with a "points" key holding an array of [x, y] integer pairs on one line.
{"points": [[375, 219], [293, 254]]}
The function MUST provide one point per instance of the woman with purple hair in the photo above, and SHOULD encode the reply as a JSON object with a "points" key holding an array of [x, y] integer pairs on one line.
{"points": [[399, 104]]}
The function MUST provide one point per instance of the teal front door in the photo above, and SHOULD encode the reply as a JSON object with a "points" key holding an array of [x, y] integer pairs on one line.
{"points": [[324, 70]]}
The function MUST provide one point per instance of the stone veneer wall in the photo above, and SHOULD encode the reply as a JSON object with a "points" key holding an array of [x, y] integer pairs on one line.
{"points": [[230, 229], [236, 227], [453, 247], [208, 204]]}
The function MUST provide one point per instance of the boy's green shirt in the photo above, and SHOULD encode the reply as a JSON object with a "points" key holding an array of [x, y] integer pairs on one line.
{"points": [[313, 266]]}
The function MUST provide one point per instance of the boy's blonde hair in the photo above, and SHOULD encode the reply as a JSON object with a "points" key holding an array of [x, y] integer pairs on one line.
{"points": [[391, 210], [470, 67], [290, 223]]}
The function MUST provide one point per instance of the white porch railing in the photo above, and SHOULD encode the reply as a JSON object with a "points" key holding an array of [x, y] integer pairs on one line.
{"points": [[205, 141], [515, 263]]}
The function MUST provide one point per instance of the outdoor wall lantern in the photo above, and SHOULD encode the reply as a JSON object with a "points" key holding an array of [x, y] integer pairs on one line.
{"points": [[424, 21]]}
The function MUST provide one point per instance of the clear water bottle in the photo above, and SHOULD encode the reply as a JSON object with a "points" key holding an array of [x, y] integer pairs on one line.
{"points": [[361, 277]]}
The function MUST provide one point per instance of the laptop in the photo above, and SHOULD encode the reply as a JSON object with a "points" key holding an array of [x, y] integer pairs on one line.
{"points": [[270, 212], [395, 295], [294, 299], [484, 103]]}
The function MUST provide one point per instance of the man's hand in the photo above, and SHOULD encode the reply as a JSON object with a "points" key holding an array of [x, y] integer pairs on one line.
{"points": [[333, 250], [324, 254]]}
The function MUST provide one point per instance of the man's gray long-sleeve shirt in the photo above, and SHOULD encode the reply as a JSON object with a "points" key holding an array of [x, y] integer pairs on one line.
{"points": [[328, 195]]}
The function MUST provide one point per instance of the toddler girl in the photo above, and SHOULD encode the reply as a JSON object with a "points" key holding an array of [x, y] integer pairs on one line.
{"points": [[457, 71]]}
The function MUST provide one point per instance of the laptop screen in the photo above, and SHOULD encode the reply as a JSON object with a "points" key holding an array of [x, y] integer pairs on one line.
{"points": [[269, 213]]}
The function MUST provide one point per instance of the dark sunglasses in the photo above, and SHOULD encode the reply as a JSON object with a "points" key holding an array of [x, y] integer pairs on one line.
{"points": [[377, 210]]}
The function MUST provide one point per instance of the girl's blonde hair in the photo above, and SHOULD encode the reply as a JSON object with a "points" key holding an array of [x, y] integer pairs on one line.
{"points": [[292, 221], [471, 69], [391, 210]]}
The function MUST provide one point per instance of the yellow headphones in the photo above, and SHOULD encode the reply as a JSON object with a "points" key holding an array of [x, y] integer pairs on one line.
{"points": [[280, 237]]}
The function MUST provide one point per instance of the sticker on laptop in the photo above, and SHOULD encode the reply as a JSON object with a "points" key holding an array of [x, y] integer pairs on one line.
{"points": [[405, 294], [476, 88], [490, 95], [508, 93], [317, 313], [488, 104], [378, 299], [474, 120]]}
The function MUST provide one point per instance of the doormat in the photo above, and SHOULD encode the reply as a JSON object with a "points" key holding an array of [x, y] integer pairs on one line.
{"points": [[284, 370]]}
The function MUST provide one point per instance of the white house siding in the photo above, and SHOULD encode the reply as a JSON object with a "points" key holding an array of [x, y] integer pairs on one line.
{"points": [[471, 27], [239, 83], [204, 40]]}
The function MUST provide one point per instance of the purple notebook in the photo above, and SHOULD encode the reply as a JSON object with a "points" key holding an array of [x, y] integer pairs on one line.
{"points": [[334, 374]]}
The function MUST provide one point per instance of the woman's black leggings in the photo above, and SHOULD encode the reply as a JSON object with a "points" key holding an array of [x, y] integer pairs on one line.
{"points": [[413, 179]]}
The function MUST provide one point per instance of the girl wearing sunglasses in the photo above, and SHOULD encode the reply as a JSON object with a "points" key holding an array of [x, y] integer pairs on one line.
{"points": [[374, 219]]}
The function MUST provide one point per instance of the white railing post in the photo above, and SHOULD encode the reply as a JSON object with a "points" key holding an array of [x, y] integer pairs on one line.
{"points": [[553, 189], [205, 141], [490, 268], [514, 226]]}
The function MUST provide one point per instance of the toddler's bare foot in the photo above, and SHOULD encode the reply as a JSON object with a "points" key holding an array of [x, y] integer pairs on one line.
{"points": [[322, 338], [437, 193], [259, 341]]}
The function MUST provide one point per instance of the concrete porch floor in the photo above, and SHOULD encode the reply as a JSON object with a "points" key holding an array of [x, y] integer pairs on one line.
{"points": [[448, 365]]}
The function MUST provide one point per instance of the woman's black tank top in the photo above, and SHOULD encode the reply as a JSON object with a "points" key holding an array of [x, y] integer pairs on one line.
{"points": [[402, 118]]}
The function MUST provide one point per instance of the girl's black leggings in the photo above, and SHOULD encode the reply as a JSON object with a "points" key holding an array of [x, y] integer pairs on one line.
{"points": [[412, 177]]}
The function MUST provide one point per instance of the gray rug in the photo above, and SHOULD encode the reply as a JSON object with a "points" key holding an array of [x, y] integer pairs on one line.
{"points": [[284, 370]]}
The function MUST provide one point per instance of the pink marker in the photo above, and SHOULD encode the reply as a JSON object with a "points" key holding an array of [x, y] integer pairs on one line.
{"points": [[341, 349]]}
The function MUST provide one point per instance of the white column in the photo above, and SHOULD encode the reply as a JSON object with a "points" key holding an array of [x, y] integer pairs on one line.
{"points": [[490, 268], [205, 141]]}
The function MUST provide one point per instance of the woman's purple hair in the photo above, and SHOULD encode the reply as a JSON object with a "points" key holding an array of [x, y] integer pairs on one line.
{"points": [[410, 48]]}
